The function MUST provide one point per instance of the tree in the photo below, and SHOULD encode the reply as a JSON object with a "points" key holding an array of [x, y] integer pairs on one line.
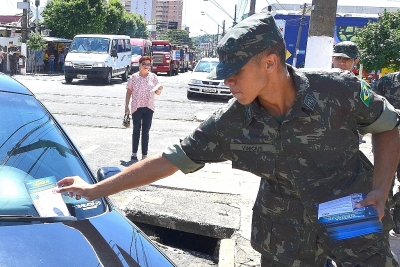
{"points": [[133, 25], [67, 18], [379, 42], [115, 12], [176, 36], [36, 43]]}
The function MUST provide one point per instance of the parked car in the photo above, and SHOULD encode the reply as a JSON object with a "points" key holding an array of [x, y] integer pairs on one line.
{"points": [[34, 149], [199, 84]]}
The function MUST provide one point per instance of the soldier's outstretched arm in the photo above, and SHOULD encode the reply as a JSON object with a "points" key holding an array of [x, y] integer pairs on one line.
{"points": [[141, 173], [386, 147]]}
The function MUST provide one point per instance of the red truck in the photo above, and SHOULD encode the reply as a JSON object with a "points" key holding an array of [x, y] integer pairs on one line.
{"points": [[164, 58]]}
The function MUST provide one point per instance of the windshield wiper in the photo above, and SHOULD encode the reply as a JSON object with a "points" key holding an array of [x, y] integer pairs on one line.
{"points": [[30, 218]]}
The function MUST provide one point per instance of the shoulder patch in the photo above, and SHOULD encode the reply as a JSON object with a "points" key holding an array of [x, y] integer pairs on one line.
{"points": [[310, 101], [365, 93]]}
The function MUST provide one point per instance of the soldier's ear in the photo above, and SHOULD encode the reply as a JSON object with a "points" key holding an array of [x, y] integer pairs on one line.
{"points": [[271, 62]]}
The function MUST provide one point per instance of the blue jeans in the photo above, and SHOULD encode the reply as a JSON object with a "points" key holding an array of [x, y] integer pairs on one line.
{"points": [[141, 119], [51, 65]]}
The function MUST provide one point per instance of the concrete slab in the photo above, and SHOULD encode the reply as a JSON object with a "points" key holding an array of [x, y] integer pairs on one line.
{"points": [[208, 214]]}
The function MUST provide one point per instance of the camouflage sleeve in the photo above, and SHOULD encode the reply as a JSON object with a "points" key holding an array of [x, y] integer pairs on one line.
{"points": [[373, 112], [200, 147]]}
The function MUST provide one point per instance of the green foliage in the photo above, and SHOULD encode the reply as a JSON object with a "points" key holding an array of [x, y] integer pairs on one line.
{"points": [[67, 18], [114, 17], [175, 36], [134, 25], [36, 42], [379, 42]]}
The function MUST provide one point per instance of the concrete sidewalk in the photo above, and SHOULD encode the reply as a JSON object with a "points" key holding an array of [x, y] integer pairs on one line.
{"points": [[216, 201]]}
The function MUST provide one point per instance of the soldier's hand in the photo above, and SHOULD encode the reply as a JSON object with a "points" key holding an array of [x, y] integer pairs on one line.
{"points": [[75, 185], [377, 199]]}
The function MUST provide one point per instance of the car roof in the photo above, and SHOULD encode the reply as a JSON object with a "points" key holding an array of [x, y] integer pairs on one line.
{"points": [[210, 59], [8, 84]]}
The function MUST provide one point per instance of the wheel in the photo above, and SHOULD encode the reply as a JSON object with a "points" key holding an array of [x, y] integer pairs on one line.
{"points": [[107, 80], [171, 71], [125, 75], [176, 71], [68, 79]]}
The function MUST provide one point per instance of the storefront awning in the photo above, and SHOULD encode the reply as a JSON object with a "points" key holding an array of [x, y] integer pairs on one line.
{"points": [[57, 40]]}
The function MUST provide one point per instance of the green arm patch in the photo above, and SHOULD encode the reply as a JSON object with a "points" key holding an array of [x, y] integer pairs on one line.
{"points": [[365, 93]]}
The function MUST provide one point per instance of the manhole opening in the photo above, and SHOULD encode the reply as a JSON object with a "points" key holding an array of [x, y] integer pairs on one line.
{"points": [[180, 239]]}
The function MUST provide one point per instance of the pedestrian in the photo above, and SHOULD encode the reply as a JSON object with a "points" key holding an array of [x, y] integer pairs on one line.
{"points": [[46, 60], [346, 57], [141, 88], [51, 61], [297, 130], [1, 60], [13, 62], [61, 60], [389, 87]]}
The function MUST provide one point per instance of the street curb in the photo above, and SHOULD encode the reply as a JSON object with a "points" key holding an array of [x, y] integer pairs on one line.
{"points": [[226, 256]]}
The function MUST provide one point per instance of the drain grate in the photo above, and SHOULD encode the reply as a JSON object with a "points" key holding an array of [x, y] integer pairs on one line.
{"points": [[179, 239]]}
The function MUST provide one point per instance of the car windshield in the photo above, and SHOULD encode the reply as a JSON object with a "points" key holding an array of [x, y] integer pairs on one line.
{"points": [[32, 146], [205, 66], [136, 50], [90, 44], [161, 48]]}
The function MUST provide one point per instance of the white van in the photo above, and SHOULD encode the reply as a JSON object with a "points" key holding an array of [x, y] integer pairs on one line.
{"points": [[98, 56]]}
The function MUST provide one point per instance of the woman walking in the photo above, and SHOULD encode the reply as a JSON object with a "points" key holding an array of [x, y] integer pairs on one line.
{"points": [[141, 87]]}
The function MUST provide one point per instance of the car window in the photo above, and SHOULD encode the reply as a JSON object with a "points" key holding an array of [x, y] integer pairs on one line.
{"points": [[205, 66], [33, 147]]}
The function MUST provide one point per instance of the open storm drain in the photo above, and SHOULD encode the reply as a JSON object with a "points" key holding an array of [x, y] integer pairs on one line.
{"points": [[179, 239]]}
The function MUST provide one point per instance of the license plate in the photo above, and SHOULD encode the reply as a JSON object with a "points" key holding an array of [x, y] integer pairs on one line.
{"points": [[209, 90], [81, 76]]}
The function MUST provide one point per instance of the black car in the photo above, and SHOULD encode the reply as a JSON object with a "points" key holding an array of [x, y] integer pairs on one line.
{"points": [[33, 147]]}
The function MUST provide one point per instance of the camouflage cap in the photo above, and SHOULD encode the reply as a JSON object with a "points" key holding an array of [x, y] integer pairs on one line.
{"points": [[346, 49], [246, 39]]}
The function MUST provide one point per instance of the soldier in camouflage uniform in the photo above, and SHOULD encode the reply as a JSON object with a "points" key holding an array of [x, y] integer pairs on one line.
{"points": [[295, 129], [389, 87], [345, 55]]}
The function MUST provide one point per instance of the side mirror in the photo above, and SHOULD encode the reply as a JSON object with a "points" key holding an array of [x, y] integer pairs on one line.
{"points": [[105, 172], [114, 52]]}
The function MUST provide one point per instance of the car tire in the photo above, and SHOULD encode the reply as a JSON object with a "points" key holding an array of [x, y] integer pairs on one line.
{"points": [[125, 75], [107, 79], [171, 71], [68, 79]]}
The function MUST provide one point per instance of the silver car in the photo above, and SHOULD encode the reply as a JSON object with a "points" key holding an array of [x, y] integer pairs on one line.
{"points": [[199, 84]]}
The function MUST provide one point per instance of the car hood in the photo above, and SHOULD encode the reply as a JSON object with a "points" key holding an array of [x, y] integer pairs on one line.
{"points": [[107, 240], [202, 76]]}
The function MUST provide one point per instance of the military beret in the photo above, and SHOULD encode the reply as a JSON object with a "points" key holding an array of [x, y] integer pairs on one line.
{"points": [[246, 39]]}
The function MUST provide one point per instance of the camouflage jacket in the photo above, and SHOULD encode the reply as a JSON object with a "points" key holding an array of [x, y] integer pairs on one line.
{"points": [[389, 87], [311, 157]]}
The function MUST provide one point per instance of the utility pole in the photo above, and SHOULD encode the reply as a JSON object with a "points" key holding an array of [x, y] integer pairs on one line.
{"points": [[320, 34], [223, 28], [234, 18], [299, 35], [252, 7], [24, 24]]}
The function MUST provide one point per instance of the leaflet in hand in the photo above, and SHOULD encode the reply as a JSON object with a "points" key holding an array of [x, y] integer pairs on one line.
{"points": [[155, 88], [342, 220], [47, 202]]}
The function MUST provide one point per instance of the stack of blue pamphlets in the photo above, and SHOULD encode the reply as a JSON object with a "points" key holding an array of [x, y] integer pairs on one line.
{"points": [[343, 221]]}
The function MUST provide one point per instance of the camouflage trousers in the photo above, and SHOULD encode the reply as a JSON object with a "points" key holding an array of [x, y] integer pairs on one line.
{"points": [[395, 204], [383, 257]]}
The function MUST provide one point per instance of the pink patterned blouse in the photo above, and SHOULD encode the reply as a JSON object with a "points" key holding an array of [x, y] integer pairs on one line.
{"points": [[142, 89]]}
